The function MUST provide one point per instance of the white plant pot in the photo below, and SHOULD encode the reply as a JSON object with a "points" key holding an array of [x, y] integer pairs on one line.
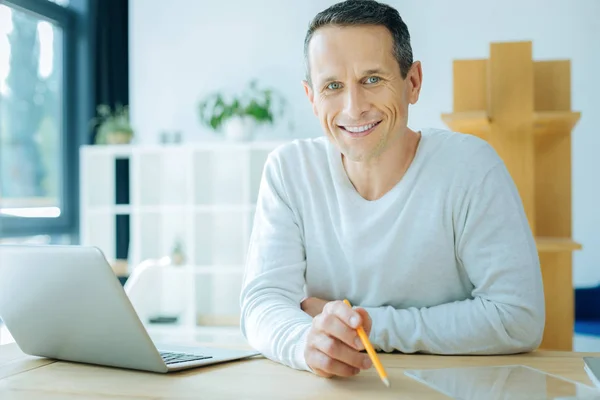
{"points": [[238, 128]]}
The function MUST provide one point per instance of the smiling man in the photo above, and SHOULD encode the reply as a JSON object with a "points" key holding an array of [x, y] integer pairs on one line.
{"points": [[423, 231]]}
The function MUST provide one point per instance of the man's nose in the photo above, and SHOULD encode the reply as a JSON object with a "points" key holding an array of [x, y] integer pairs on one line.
{"points": [[356, 103]]}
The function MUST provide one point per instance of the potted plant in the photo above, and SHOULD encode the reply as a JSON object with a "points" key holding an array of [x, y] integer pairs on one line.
{"points": [[236, 117], [114, 127], [177, 254]]}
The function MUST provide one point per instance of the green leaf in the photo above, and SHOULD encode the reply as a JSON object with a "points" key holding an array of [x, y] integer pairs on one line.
{"points": [[214, 110]]}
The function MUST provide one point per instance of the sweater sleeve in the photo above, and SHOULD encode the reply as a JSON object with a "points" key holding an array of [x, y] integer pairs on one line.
{"points": [[273, 286], [505, 312]]}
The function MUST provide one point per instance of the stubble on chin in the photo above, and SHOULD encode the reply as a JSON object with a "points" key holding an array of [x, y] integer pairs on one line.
{"points": [[367, 152]]}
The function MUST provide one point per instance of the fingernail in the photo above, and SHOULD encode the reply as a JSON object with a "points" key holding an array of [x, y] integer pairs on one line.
{"points": [[354, 321], [358, 343], [367, 363]]}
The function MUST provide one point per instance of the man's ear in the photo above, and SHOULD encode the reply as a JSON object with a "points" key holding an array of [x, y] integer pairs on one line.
{"points": [[310, 94], [414, 80]]}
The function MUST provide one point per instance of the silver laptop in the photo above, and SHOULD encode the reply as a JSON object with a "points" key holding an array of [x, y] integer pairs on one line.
{"points": [[65, 303]]}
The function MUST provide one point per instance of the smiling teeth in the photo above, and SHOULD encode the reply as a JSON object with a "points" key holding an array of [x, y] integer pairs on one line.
{"points": [[358, 129]]}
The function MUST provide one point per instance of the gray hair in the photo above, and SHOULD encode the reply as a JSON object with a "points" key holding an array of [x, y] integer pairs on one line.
{"points": [[365, 12]]}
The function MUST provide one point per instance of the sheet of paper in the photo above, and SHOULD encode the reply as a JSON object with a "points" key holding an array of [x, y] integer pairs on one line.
{"points": [[513, 382]]}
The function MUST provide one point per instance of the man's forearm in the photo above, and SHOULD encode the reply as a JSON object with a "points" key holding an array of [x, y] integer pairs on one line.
{"points": [[273, 285], [475, 326], [277, 328], [313, 306]]}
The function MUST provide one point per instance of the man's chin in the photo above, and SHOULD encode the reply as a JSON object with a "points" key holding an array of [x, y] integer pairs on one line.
{"points": [[357, 155], [362, 151], [356, 150]]}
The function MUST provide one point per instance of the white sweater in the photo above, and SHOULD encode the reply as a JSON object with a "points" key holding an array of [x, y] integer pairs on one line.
{"points": [[444, 263]]}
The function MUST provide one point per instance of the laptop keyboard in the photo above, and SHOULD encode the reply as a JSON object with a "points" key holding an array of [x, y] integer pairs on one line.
{"points": [[174, 358]]}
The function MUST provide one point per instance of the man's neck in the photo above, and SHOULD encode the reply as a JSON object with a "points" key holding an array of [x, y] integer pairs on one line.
{"points": [[373, 179]]}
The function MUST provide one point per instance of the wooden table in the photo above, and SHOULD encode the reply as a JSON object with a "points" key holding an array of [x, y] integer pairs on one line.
{"points": [[29, 378]]}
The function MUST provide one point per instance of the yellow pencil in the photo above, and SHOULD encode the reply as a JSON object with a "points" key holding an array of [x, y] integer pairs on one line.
{"points": [[371, 351]]}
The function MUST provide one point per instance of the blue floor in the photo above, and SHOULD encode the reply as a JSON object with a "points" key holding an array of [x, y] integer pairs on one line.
{"points": [[588, 328]]}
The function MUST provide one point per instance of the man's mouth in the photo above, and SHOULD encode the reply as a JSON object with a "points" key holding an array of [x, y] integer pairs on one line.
{"points": [[359, 130]]}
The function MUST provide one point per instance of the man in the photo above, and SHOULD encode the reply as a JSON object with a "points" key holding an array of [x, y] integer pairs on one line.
{"points": [[423, 231]]}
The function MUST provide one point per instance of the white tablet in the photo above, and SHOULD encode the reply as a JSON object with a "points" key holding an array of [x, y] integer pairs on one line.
{"points": [[592, 367], [515, 382]]}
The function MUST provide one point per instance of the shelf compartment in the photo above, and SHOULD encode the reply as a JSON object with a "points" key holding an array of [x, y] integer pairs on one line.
{"points": [[163, 177], [219, 238], [158, 232], [98, 174], [219, 176], [99, 231], [217, 297]]}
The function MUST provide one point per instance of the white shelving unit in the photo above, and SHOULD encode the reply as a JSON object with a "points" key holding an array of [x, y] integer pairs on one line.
{"points": [[201, 194]]}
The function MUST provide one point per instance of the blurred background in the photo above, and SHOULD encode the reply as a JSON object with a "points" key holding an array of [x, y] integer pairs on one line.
{"points": [[142, 126]]}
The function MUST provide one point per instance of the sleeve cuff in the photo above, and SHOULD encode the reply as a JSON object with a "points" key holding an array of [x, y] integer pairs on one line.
{"points": [[299, 359]]}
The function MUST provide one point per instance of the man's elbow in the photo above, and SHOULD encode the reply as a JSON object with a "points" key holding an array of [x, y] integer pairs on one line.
{"points": [[535, 332], [247, 326], [527, 331], [254, 336]]}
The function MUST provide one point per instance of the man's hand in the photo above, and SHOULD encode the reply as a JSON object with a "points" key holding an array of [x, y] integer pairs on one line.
{"points": [[313, 306], [333, 347]]}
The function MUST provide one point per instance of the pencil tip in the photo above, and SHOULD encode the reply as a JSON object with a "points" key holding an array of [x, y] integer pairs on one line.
{"points": [[386, 382]]}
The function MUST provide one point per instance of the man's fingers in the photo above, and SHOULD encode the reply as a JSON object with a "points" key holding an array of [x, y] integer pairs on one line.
{"points": [[334, 327], [333, 345], [349, 316], [339, 351], [322, 373], [326, 366], [366, 320]]}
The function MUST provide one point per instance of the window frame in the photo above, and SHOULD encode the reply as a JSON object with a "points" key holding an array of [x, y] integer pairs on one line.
{"points": [[76, 96]]}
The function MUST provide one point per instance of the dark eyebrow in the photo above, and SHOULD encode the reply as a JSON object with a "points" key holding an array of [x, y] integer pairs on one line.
{"points": [[329, 79], [375, 71]]}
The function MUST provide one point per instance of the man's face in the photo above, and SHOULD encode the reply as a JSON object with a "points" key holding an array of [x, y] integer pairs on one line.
{"points": [[357, 90]]}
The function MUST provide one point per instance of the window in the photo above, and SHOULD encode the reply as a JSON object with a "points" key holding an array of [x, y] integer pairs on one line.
{"points": [[37, 187], [64, 3]]}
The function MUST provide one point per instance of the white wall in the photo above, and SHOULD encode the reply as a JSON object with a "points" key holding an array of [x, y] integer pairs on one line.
{"points": [[182, 49]]}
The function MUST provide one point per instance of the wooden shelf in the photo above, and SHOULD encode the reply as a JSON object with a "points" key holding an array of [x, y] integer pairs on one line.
{"points": [[472, 122], [522, 108], [544, 122], [552, 122], [201, 195], [556, 244]]}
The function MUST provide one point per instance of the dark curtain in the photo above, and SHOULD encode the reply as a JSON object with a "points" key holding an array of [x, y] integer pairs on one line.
{"points": [[111, 52], [111, 87]]}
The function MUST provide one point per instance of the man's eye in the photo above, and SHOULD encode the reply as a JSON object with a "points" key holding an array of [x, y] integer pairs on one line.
{"points": [[334, 86], [372, 79]]}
